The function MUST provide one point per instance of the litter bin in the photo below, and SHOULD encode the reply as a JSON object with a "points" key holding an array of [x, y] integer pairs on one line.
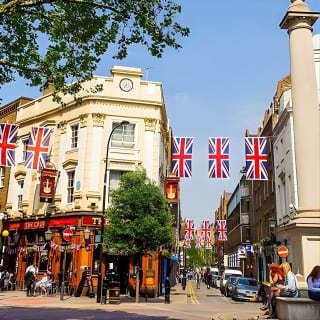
{"points": [[114, 292]]}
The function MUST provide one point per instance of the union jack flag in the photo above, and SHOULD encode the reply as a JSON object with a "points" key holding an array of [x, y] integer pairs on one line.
{"points": [[37, 148], [208, 243], [8, 138], [205, 230], [219, 158], [222, 230], [256, 158], [182, 157], [198, 242], [189, 230], [188, 243]]}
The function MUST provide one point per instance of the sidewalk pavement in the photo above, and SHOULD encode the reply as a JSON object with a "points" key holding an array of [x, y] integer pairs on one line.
{"points": [[18, 299]]}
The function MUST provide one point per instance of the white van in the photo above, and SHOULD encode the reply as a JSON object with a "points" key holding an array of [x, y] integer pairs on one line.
{"points": [[226, 274]]}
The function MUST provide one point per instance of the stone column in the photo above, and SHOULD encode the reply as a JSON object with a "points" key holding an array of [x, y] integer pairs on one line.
{"points": [[306, 116]]}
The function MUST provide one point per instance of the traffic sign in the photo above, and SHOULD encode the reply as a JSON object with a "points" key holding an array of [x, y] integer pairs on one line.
{"points": [[283, 252], [67, 234]]}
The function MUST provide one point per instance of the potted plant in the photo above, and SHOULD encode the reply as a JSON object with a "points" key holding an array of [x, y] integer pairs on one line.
{"points": [[29, 249]]}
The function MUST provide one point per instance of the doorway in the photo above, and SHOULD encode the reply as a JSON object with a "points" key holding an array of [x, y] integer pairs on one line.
{"points": [[117, 269]]}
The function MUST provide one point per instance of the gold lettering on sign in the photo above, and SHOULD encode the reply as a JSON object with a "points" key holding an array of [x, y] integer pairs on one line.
{"points": [[96, 220]]}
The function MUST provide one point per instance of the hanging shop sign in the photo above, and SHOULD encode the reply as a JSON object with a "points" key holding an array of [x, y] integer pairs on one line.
{"points": [[47, 185], [242, 253], [172, 189]]}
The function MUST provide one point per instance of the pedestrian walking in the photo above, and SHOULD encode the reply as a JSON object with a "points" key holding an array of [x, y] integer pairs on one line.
{"points": [[184, 279], [313, 281], [198, 276], [30, 278]]}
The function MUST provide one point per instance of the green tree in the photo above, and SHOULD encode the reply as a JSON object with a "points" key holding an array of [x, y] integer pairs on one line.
{"points": [[58, 41], [139, 217], [195, 257]]}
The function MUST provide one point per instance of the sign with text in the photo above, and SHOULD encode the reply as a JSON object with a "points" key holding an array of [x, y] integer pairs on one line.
{"points": [[242, 252], [47, 185], [94, 221]]}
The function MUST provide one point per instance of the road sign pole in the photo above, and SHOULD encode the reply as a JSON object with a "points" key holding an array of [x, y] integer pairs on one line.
{"points": [[63, 273]]}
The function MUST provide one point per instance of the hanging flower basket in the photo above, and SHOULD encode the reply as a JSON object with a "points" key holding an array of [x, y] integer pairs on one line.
{"points": [[68, 249], [30, 249]]}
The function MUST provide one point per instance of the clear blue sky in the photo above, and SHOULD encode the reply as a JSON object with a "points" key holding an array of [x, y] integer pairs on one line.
{"points": [[219, 83]]}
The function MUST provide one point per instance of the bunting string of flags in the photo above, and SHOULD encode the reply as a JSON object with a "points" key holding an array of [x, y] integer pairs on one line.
{"points": [[53, 245], [219, 157]]}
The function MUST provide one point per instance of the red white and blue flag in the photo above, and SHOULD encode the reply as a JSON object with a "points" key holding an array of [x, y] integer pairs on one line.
{"points": [[208, 243], [205, 230], [198, 242], [219, 158], [8, 138], [182, 157], [189, 230], [188, 243], [37, 148], [256, 158], [221, 226]]}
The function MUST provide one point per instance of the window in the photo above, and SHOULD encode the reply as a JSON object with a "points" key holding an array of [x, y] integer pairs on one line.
{"points": [[123, 136], [114, 180], [24, 150], [70, 188], [74, 135], [20, 195], [2, 176]]}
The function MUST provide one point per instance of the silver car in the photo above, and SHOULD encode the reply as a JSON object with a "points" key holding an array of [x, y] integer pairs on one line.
{"points": [[245, 289]]}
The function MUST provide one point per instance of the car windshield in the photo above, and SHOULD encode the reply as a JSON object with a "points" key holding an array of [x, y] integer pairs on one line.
{"points": [[227, 276], [232, 280], [247, 282], [214, 273]]}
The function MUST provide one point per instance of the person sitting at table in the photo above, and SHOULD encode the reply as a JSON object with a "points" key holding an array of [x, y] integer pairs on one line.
{"points": [[43, 283]]}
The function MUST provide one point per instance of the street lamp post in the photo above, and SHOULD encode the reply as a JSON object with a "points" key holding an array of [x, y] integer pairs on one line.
{"points": [[123, 123]]}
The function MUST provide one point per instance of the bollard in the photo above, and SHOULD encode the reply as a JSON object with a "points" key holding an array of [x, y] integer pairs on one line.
{"points": [[146, 297], [167, 291], [104, 290]]}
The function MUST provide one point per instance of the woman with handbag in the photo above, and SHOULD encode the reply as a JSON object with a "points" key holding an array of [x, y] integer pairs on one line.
{"points": [[289, 289]]}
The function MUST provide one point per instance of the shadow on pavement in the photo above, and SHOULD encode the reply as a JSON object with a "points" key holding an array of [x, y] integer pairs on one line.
{"points": [[18, 313]]}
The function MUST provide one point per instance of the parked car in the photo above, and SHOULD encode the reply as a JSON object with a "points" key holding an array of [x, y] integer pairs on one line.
{"points": [[215, 281], [229, 286], [245, 288], [226, 274]]}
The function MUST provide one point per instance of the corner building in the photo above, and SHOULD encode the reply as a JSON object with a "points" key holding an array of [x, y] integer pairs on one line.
{"points": [[77, 149]]}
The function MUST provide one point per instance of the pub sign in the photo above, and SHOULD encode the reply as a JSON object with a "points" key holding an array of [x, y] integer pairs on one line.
{"points": [[47, 185]]}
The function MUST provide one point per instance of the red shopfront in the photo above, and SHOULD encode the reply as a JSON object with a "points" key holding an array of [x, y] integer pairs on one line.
{"points": [[48, 255]]}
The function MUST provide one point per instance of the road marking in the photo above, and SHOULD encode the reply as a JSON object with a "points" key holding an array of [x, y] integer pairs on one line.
{"points": [[192, 294]]}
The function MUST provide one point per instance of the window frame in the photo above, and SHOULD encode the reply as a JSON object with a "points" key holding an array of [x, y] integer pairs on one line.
{"points": [[74, 140], [70, 189], [20, 193], [2, 176], [122, 143]]}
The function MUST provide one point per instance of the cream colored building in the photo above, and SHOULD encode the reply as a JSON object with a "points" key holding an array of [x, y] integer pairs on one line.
{"points": [[79, 140], [303, 229]]}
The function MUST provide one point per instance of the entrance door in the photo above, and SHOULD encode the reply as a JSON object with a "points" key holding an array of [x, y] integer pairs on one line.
{"points": [[117, 268]]}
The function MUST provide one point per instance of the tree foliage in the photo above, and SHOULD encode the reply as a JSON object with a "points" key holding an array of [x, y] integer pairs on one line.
{"points": [[139, 216], [195, 257], [61, 41]]}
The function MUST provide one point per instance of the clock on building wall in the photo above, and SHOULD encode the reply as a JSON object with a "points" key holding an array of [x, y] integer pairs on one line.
{"points": [[126, 84]]}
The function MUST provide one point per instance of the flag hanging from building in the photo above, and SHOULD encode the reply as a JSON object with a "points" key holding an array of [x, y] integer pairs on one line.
{"points": [[188, 243], [198, 242], [208, 243], [182, 157], [189, 230], [37, 148], [205, 230], [219, 158], [256, 158], [222, 230], [8, 138]]}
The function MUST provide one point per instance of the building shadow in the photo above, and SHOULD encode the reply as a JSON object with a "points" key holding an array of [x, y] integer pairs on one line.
{"points": [[19, 313]]}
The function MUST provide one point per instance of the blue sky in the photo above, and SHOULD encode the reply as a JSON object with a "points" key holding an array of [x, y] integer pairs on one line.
{"points": [[218, 84]]}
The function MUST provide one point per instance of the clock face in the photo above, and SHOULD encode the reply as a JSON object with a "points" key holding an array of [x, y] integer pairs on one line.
{"points": [[126, 84]]}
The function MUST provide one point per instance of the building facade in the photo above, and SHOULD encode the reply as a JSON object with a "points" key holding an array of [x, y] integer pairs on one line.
{"points": [[77, 149]]}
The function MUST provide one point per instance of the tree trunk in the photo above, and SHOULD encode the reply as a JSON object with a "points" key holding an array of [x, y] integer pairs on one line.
{"points": [[137, 285]]}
